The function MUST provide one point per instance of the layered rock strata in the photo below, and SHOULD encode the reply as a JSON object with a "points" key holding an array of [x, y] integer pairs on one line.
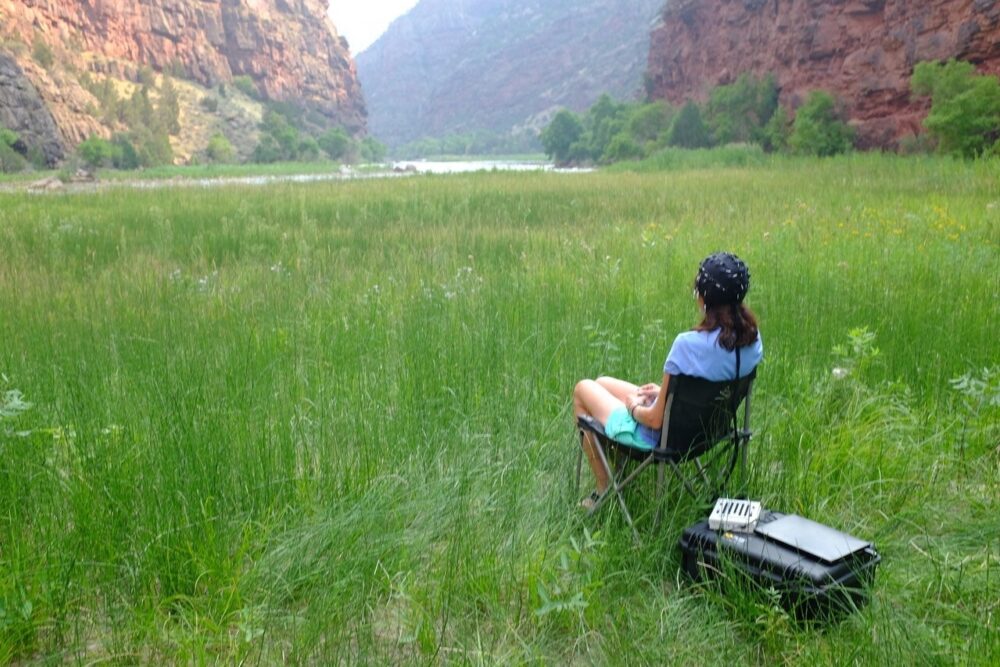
{"points": [[287, 47], [863, 51]]}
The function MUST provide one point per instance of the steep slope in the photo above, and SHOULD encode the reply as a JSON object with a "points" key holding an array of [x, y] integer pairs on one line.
{"points": [[864, 51], [287, 47], [452, 66]]}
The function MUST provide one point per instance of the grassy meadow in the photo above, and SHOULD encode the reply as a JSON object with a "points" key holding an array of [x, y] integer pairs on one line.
{"points": [[331, 422]]}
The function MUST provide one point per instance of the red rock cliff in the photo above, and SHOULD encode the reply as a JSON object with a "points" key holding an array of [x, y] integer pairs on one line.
{"points": [[863, 51], [288, 47]]}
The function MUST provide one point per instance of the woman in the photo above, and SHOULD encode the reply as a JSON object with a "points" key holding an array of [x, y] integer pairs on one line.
{"points": [[633, 415]]}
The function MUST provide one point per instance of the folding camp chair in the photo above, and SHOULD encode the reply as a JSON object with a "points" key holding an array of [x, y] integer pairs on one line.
{"points": [[700, 421]]}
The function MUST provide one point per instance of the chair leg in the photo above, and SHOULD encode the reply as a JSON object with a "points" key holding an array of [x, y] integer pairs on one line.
{"points": [[659, 494], [579, 466], [616, 488]]}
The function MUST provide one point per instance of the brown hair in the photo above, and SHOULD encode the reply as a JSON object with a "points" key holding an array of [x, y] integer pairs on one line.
{"points": [[738, 324]]}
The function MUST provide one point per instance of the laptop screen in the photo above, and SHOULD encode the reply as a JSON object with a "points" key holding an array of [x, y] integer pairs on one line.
{"points": [[813, 538]]}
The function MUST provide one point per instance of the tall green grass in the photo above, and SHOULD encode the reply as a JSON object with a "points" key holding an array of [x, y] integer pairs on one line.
{"points": [[331, 422]]}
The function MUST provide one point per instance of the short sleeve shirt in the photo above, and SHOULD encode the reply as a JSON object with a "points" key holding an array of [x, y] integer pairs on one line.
{"points": [[699, 354]]}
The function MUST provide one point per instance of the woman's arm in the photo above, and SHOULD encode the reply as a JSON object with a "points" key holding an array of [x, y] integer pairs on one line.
{"points": [[650, 415]]}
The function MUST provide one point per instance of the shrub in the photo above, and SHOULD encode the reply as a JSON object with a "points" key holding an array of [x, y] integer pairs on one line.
{"points": [[688, 129], [819, 128], [622, 147], [965, 106], [146, 76], [774, 135], [307, 149], [209, 103], [10, 160], [648, 123], [42, 53], [560, 136], [169, 108], [96, 152], [246, 85], [219, 149], [372, 150], [738, 112], [125, 155], [335, 143]]}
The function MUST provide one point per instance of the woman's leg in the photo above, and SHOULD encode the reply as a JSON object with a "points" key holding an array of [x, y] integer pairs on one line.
{"points": [[593, 399], [620, 389]]}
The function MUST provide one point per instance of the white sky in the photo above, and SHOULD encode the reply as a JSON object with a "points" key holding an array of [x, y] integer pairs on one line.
{"points": [[363, 22]]}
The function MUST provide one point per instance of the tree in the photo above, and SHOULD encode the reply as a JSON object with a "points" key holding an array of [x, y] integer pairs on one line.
{"points": [[819, 128], [965, 106], [96, 152], [560, 135], [10, 160], [169, 108], [688, 129], [335, 143], [603, 121], [622, 147], [738, 112], [219, 149], [372, 150], [125, 156], [648, 123], [774, 135]]}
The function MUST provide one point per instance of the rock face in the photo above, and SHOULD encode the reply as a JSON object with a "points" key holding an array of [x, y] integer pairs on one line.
{"points": [[863, 51], [456, 66], [287, 47]]}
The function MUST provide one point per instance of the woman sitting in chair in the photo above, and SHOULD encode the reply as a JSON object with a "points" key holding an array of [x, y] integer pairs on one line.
{"points": [[633, 415]]}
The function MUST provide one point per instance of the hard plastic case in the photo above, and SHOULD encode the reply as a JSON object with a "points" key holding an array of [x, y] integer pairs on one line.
{"points": [[817, 570]]}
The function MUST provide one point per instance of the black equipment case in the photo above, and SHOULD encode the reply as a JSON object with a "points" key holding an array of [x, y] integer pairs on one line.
{"points": [[817, 570]]}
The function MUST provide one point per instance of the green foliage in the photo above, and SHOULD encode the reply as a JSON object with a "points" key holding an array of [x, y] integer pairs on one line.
{"points": [[96, 152], [372, 151], [125, 155], [560, 135], [168, 107], [688, 129], [335, 143], [219, 149], [622, 147], [209, 103], [42, 54], [774, 135], [146, 77], [245, 85], [308, 149], [477, 142], [738, 112], [10, 160], [605, 119], [279, 140], [965, 107], [647, 124], [819, 128]]}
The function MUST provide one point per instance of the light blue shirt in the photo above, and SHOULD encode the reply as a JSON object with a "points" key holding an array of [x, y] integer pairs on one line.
{"points": [[698, 353]]}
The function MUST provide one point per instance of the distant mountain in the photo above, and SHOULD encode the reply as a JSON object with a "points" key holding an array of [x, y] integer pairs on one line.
{"points": [[454, 66], [55, 55], [863, 51]]}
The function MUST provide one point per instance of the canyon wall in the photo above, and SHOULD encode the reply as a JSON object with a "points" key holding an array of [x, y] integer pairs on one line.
{"points": [[863, 51], [287, 47]]}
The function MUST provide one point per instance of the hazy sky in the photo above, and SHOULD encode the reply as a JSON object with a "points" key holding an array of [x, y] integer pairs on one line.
{"points": [[364, 22]]}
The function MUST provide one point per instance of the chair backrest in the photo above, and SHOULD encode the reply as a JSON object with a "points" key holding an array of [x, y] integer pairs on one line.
{"points": [[699, 413]]}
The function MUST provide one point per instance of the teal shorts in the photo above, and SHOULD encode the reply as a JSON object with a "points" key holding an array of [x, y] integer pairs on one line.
{"points": [[624, 429]]}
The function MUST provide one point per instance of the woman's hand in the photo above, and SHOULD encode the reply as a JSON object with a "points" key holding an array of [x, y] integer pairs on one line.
{"points": [[648, 393]]}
